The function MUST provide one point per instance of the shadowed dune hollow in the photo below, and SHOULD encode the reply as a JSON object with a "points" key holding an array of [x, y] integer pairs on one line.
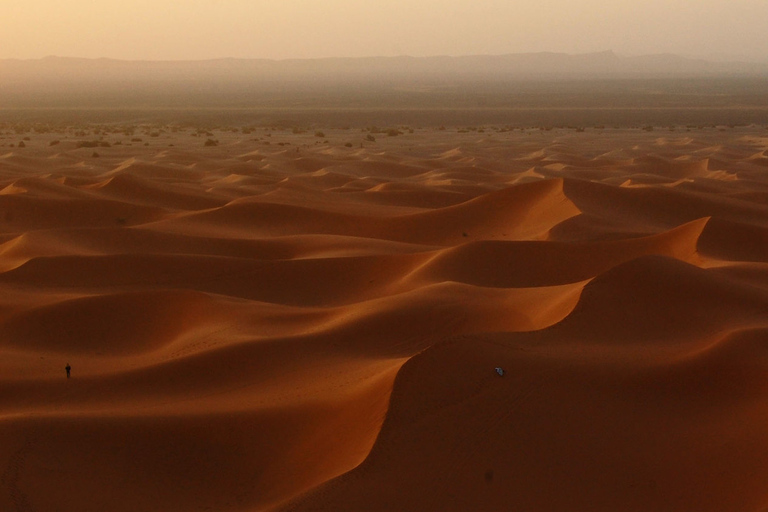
{"points": [[316, 323]]}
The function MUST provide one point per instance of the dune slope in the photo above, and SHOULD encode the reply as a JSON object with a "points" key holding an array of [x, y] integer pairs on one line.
{"points": [[443, 320]]}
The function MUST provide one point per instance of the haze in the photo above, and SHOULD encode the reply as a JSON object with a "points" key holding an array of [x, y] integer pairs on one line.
{"points": [[205, 29]]}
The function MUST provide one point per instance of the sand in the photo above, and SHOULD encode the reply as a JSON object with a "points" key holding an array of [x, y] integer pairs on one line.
{"points": [[285, 322]]}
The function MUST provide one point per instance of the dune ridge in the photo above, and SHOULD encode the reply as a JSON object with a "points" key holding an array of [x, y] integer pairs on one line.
{"points": [[277, 323]]}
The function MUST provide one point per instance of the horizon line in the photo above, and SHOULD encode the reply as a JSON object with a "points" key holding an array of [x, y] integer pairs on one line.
{"points": [[735, 59]]}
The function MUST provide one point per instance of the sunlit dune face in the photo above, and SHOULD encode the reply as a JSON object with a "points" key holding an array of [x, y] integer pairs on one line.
{"points": [[261, 318]]}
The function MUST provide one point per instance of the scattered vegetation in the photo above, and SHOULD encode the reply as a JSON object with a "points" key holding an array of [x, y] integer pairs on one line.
{"points": [[93, 144], [211, 142]]}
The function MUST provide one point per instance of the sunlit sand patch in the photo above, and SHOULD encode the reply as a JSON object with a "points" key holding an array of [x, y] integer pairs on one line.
{"points": [[322, 330]]}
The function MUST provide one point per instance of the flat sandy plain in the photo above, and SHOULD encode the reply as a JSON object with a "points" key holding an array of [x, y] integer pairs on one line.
{"points": [[287, 322]]}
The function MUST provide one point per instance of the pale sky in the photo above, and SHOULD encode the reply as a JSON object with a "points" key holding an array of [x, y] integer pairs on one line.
{"points": [[282, 29]]}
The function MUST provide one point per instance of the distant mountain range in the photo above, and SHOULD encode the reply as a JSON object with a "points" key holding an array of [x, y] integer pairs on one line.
{"points": [[531, 66], [537, 80]]}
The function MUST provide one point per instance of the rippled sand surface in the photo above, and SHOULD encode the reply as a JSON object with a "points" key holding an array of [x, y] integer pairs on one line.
{"points": [[291, 322]]}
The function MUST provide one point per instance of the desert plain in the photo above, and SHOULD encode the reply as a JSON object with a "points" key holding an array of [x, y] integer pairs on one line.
{"points": [[435, 318]]}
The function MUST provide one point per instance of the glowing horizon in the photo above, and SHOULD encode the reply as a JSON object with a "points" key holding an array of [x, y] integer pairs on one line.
{"points": [[293, 29]]}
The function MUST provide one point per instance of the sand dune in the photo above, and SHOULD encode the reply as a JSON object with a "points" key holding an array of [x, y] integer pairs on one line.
{"points": [[280, 323]]}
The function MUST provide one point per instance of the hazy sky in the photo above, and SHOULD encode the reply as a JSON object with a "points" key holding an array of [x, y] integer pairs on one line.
{"points": [[279, 29]]}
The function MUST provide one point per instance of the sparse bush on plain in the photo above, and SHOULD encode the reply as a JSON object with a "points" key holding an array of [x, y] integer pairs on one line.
{"points": [[93, 144], [211, 142]]}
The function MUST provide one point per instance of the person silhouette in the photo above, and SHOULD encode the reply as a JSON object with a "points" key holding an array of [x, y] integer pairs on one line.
{"points": [[68, 368]]}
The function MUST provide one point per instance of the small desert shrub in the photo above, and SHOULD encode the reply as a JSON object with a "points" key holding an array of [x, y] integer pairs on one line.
{"points": [[648, 128], [370, 138], [319, 134], [393, 132], [95, 155], [136, 139], [211, 142], [22, 145], [54, 142], [348, 145]]}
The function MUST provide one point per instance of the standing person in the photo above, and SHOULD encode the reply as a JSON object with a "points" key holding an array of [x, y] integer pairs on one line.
{"points": [[68, 368]]}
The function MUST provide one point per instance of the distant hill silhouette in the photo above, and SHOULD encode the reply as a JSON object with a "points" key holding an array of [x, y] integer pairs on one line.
{"points": [[530, 66], [544, 82]]}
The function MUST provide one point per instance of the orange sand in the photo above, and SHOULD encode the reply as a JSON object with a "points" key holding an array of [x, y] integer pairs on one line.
{"points": [[308, 326]]}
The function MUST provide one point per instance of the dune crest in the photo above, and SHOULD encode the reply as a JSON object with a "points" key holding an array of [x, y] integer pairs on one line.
{"points": [[265, 320]]}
